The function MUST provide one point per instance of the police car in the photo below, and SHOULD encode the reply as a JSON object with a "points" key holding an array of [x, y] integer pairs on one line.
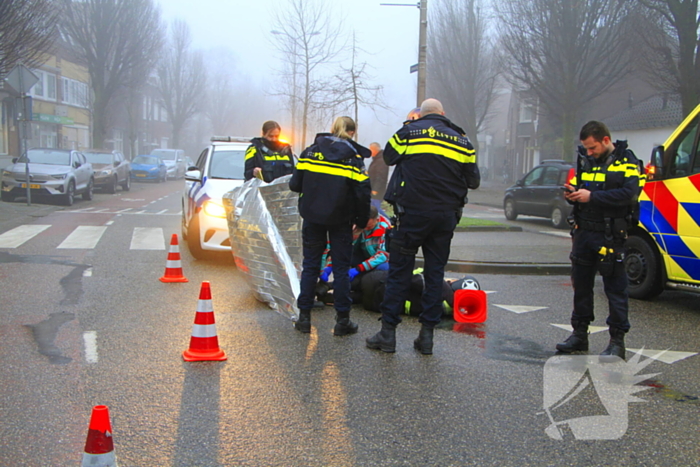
{"points": [[218, 170]]}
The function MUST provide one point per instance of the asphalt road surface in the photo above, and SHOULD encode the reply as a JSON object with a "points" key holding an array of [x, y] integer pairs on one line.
{"points": [[84, 321]]}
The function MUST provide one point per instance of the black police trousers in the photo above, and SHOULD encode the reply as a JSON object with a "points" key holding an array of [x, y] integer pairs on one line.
{"points": [[584, 266], [315, 237], [432, 231]]}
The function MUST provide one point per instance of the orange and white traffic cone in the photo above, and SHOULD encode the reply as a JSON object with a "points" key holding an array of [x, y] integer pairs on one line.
{"points": [[204, 343], [99, 446], [470, 306], [173, 266]]}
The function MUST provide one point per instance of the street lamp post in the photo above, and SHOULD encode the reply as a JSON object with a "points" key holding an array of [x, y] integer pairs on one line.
{"points": [[422, 46]]}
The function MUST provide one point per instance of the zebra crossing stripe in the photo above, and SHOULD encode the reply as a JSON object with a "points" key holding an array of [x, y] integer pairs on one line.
{"points": [[17, 236], [147, 238], [83, 237]]}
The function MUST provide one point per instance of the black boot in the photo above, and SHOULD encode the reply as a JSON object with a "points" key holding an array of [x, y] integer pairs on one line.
{"points": [[384, 340], [616, 347], [343, 325], [577, 341], [303, 324], [424, 342]]}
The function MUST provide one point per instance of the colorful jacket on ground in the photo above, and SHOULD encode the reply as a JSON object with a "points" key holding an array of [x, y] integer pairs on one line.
{"points": [[373, 245]]}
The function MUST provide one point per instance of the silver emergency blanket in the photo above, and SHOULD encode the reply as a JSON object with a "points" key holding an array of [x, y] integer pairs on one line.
{"points": [[265, 230]]}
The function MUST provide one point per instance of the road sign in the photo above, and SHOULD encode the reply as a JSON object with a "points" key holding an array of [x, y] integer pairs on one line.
{"points": [[414, 68], [21, 79]]}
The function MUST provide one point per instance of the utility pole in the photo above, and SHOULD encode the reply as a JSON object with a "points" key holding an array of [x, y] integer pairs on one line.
{"points": [[422, 50], [422, 47]]}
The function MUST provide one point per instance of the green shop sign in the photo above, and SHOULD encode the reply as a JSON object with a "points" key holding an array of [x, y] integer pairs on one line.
{"points": [[52, 119]]}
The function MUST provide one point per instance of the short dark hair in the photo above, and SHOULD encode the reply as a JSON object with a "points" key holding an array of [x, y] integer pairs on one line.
{"points": [[373, 212], [270, 125], [596, 129]]}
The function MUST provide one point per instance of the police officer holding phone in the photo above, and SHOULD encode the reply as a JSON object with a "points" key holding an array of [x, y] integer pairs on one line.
{"points": [[605, 196]]}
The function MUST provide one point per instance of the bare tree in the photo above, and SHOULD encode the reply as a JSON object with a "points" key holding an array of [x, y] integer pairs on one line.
{"points": [[307, 39], [465, 70], [351, 87], [27, 32], [118, 41], [671, 34], [565, 53], [182, 79]]}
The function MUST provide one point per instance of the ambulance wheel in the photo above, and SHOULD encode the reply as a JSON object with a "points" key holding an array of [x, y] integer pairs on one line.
{"points": [[643, 267]]}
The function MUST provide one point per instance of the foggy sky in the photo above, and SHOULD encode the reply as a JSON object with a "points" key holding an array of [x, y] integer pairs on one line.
{"points": [[388, 33]]}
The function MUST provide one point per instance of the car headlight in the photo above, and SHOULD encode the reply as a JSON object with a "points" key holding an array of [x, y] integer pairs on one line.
{"points": [[6, 173], [106, 172], [59, 176], [154, 169], [214, 209]]}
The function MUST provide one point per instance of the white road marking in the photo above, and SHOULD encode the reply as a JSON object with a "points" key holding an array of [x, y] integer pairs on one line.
{"points": [[17, 236], [132, 199], [666, 356], [90, 340], [139, 212], [125, 210], [161, 212], [87, 272], [556, 234], [147, 238], [109, 222], [83, 237], [102, 210], [591, 329], [521, 308]]}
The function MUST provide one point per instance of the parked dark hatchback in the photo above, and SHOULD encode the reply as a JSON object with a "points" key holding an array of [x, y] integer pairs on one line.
{"points": [[541, 193]]}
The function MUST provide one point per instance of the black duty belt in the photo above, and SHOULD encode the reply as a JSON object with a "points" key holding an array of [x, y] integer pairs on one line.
{"points": [[590, 225]]}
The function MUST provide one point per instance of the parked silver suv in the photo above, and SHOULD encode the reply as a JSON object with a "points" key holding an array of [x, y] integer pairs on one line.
{"points": [[111, 169], [174, 160], [56, 172]]}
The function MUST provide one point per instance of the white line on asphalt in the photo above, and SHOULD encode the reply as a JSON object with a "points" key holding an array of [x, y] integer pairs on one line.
{"points": [[84, 209], [83, 237], [161, 212], [87, 272], [102, 210], [139, 212], [555, 233], [17, 236], [147, 238], [109, 222], [125, 210], [90, 339]]}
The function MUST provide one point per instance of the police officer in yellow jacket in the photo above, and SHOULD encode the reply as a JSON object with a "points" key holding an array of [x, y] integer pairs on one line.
{"points": [[334, 195], [268, 158], [435, 167], [605, 195]]}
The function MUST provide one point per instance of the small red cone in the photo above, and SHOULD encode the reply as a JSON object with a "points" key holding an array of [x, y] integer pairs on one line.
{"points": [[204, 343], [99, 447], [470, 306], [173, 266]]}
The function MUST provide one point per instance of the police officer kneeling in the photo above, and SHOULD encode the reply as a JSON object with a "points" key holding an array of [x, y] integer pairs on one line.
{"points": [[435, 167], [605, 194]]}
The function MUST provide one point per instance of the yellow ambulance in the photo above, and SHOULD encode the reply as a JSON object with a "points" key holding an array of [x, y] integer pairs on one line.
{"points": [[663, 251]]}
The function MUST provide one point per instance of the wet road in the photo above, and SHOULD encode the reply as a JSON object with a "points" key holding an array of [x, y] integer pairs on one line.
{"points": [[91, 324]]}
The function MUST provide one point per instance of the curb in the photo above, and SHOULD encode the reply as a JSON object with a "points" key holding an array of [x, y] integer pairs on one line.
{"points": [[518, 269], [490, 228]]}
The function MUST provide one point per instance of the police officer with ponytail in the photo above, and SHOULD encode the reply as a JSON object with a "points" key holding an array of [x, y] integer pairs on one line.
{"points": [[334, 195], [268, 158], [605, 196]]}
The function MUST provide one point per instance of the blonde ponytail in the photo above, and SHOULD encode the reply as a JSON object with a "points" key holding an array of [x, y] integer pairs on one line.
{"points": [[342, 126]]}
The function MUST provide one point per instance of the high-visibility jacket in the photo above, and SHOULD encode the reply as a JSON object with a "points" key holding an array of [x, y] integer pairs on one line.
{"points": [[435, 165], [275, 159], [332, 182], [614, 181]]}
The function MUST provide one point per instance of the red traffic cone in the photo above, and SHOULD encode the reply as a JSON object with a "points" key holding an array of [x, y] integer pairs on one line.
{"points": [[99, 447], [470, 306], [204, 343], [173, 266]]}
